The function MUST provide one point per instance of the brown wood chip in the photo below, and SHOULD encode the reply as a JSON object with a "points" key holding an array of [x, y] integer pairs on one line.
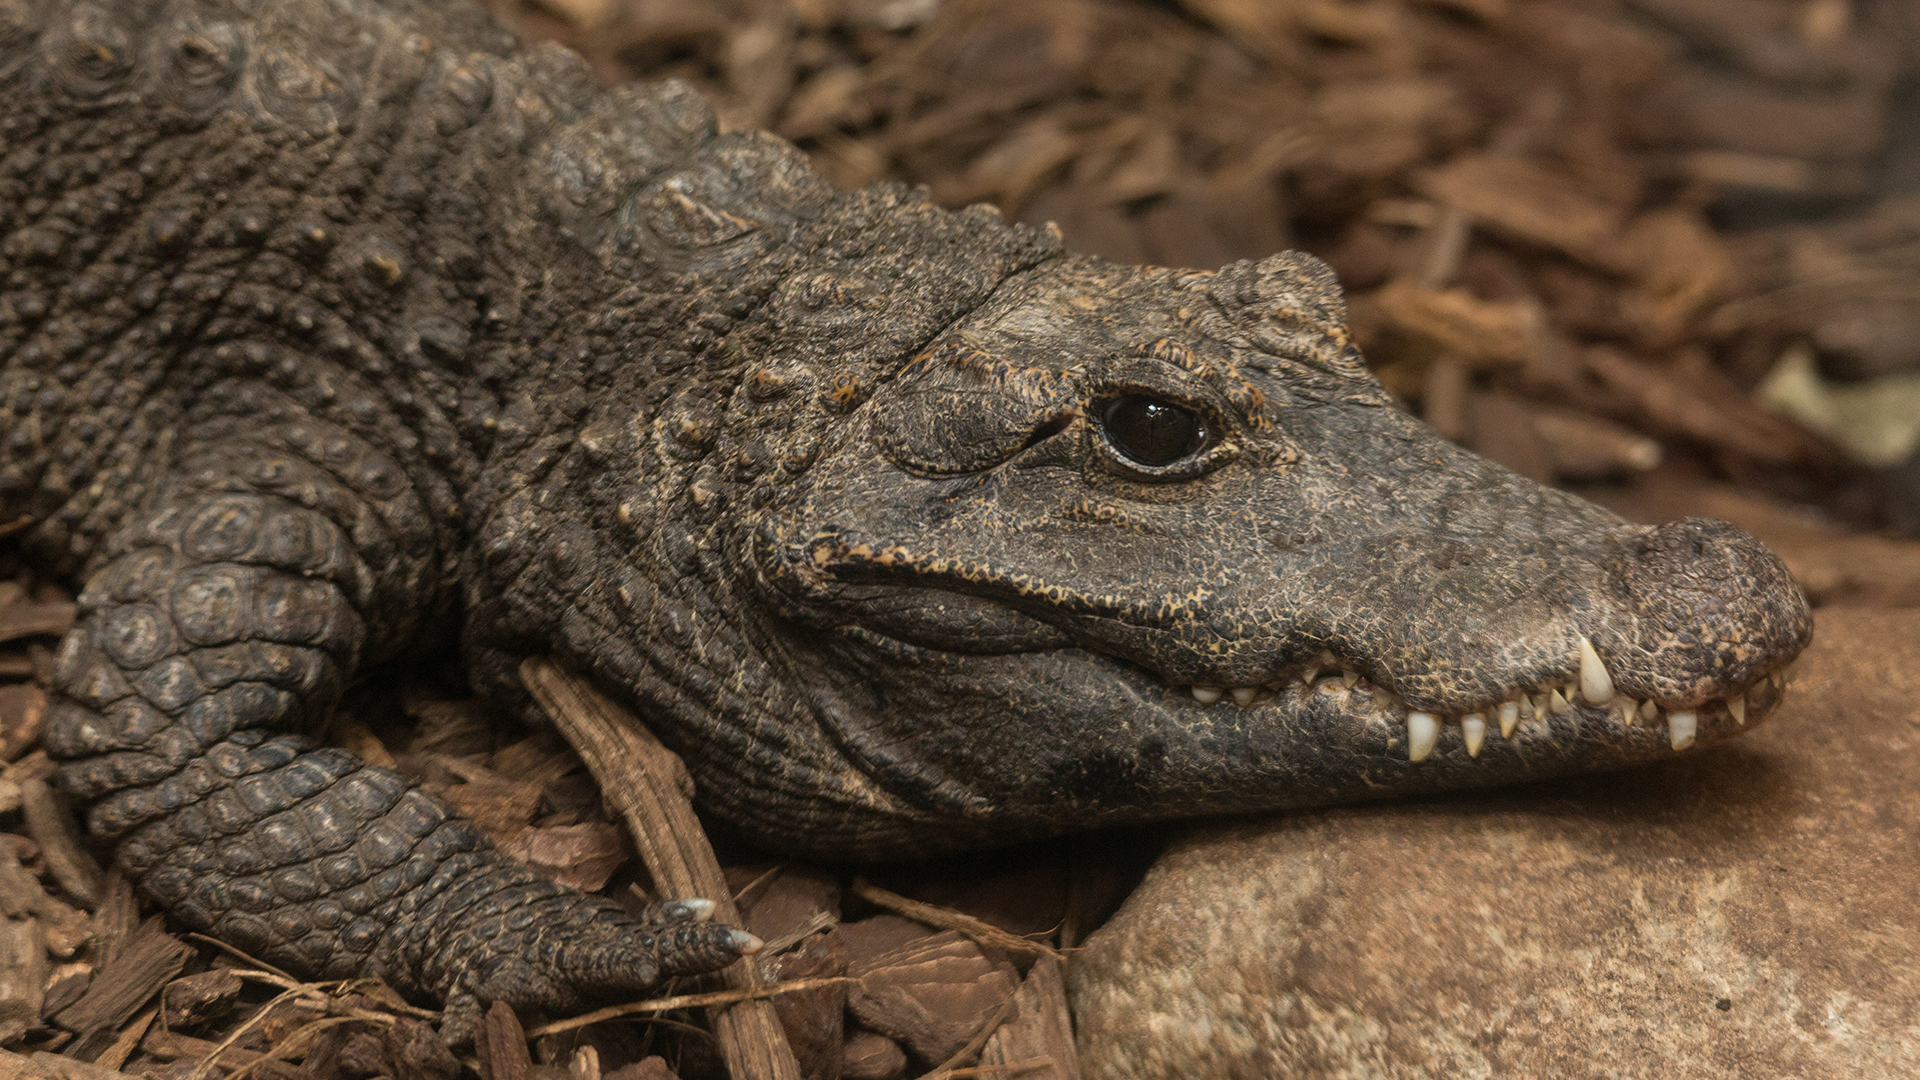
{"points": [[35, 620], [149, 960], [197, 999], [501, 1045], [23, 958], [44, 1066], [53, 828], [1040, 1027], [871, 1056], [932, 995], [23, 708], [582, 856]]}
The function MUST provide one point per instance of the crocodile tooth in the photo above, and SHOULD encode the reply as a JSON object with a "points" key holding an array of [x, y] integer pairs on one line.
{"points": [[1423, 730], [1349, 677], [1525, 703], [1737, 708], [1206, 695], [1311, 675], [1474, 727], [1629, 708], [1557, 704], [1595, 684], [1681, 726], [1649, 711], [1243, 694], [1509, 719]]}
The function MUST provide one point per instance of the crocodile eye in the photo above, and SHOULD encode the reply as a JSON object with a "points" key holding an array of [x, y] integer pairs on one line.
{"points": [[1152, 432]]}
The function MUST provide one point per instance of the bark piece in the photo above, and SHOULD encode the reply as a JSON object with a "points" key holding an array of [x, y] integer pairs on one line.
{"points": [[878, 935], [932, 995], [583, 856], [647, 1068], [150, 958], [651, 788], [814, 1020], [44, 1066], [197, 999], [417, 1053], [1040, 1028], [498, 805], [872, 1056], [52, 827], [794, 899], [1695, 400], [23, 708], [1530, 203], [1455, 323], [23, 950], [35, 620], [502, 1046]]}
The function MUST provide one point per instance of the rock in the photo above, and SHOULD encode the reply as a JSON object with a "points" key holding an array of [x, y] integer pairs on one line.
{"points": [[1748, 911]]}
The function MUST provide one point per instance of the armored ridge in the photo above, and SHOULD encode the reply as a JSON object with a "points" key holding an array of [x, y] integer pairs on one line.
{"points": [[334, 327]]}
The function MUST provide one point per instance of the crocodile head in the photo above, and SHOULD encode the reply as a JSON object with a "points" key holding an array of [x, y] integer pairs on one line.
{"points": [[940, 536], [1129, 543]]}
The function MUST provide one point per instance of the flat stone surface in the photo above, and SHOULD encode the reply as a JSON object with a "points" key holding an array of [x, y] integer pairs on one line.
{"points": [[1750, 911]]}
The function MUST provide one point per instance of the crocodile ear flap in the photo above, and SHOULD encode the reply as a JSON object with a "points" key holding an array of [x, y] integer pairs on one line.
{"points": [[1290, 305], [955, 410]]}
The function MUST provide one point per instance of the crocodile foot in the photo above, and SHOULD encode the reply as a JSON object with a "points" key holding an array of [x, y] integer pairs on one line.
{"points": [[575, 950]]}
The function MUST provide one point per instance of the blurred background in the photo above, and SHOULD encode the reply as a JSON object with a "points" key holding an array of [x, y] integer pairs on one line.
{"points": [[1665, 251]]}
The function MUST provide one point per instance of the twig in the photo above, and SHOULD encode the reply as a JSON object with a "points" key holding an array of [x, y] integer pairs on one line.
{"points": [[981, 931], [239, 955], [1027, 1065], [687, 1001]]}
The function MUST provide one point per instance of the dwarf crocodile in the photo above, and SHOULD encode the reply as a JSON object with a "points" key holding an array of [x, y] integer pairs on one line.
{"points": [[330, 329]]}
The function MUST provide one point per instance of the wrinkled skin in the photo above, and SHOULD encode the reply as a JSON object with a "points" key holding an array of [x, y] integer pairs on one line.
{"points": [[336, 329]]}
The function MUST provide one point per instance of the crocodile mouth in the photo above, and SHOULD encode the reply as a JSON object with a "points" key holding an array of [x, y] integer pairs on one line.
{"points": [[1585, 694], [1579, 702]]}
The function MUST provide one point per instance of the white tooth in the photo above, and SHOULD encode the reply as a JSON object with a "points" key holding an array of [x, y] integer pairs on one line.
{"points": [[1649, 711], [1737, 708], [1629, 708], [1244, 694], [1680, 728], [1509, 719], [1540, 708], [1311, 675], [1595, 684], [1423, 730], [1526, 707], [1474, 727], [1206, 695], [1557, 704], [1349, 677]]}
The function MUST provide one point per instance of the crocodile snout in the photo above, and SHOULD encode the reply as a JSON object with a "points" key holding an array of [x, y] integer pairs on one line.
{"points": [[1701, 606]]}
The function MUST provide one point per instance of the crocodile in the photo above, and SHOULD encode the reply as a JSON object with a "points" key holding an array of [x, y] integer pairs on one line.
{"points": [[333, 331]]}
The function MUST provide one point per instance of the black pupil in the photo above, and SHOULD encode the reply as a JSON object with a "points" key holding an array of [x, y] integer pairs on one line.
{"points": [[1152, 432]]}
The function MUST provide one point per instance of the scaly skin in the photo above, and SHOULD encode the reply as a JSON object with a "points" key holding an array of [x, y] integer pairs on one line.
{"points": [[333, 328]]}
